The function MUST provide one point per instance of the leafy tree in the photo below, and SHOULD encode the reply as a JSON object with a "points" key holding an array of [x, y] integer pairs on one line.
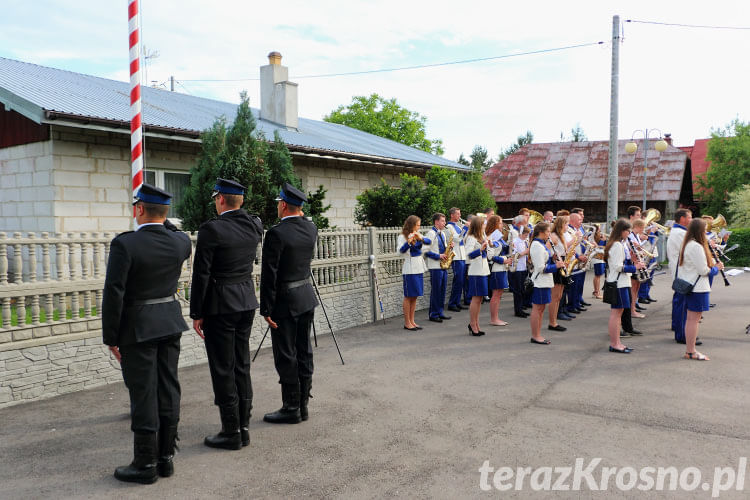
{"points": [[463, 161], [521, 141], [738, 207], [480, 159], [239, 153], [314, 207], [577, 134], [386, 118], [440, 190], [729, 154]]}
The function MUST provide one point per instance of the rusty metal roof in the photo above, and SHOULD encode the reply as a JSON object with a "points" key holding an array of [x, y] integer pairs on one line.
{"points": [[578, 171]]}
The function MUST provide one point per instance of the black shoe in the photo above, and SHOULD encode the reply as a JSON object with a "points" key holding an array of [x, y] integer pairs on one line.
{"points": [[585, 304], [454, 308], [436, 320], [411, 329], [578, 310], [697, 342], [564, 317], [521, 315], [624, 335], [556, 328], [305, 384], [651, 300], [525, 307], [167, 437], [229, 438], [624, 350], [445, 317], [245, 407], [711, 306], [644, 301], [289, 413], [639, 308], [635, 332], [475, 334], [143, 467]]}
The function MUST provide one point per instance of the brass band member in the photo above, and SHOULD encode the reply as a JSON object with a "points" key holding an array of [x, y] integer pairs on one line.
{"points": [[599, 264], [517, 277], [696, 265], [459, 261], [544, 266], [497, 253], [639, 225], [620, 270], [476, 255], [410, 247], [559, 249], [436, 252]]}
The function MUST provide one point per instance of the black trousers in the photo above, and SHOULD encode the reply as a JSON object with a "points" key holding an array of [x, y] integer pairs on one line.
{"points": [[516, 281], [228, 350], [150, 373], [626, 320], [292, 349]]}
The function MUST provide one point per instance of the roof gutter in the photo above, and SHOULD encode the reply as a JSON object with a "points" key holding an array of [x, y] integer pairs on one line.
{"points": [[194, 136]]}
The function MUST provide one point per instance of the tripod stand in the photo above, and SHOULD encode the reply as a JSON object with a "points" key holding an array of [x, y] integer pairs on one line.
{"points": [[315, 336]]}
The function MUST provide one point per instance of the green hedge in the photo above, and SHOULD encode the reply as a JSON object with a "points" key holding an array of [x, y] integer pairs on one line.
{"points": [[741, 256]]}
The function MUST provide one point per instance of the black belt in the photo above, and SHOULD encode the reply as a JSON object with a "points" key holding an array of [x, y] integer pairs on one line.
{"points": [[288, 285], [148, 302], [232, 280]]}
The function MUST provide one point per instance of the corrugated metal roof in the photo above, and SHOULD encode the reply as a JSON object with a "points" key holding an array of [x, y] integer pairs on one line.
{"points": [[578, 171], [99, 98]]}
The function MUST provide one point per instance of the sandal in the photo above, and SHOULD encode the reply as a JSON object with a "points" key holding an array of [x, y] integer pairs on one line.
{"points": [[696, 356], [598, 296]]}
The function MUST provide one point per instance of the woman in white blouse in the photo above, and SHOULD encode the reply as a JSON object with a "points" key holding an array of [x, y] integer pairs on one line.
{"points": [[598, 263], [544, 266], [497, 254], [475, 246], [409, 245], [695, 266], [619, 269], [560, 247]]}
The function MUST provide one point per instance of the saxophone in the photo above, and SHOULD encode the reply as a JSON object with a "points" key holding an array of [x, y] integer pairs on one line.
{"points": [[570, 259], [449, 253]]}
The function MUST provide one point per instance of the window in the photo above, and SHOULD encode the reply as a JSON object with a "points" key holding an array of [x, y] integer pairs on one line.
{"points": [[172, 182]]}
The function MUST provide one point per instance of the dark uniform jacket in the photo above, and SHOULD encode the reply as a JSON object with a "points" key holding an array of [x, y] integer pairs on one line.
{"points": [[145, 264], [287, 253], [223, 265]]}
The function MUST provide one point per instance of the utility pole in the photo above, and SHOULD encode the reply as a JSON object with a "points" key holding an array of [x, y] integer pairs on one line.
{"points": [[612, 170], [171, 83]]}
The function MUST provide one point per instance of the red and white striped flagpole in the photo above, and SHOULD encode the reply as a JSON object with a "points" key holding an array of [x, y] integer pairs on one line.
{"points": [[136, 137]]}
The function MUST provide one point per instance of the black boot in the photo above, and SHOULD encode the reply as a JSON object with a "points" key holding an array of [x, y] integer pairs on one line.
{"points": [[289, 412], [167, 446], [229, 437], [245, 406], [305, 384], [143, 467]]}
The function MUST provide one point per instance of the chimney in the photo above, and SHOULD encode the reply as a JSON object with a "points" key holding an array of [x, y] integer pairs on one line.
{"points": [[278, 96], [668, 139]]}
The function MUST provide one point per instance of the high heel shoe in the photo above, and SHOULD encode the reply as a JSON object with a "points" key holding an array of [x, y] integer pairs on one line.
{"points": [[475, 334]]}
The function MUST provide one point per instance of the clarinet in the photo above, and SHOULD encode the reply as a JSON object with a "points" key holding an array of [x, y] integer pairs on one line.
{"points": [[716, 257], [642, 274]]}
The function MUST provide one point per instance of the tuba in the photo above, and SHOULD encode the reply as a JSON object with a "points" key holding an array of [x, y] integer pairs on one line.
{"points": [[651, 217], [717, 224], [535, 217], [449, 253]]}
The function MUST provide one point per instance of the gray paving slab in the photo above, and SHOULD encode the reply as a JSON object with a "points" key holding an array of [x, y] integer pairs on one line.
{"points": [[416, 414]]}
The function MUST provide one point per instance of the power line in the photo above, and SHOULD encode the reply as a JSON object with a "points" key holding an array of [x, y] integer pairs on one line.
{"points": [[419, 66], [706, 26]]}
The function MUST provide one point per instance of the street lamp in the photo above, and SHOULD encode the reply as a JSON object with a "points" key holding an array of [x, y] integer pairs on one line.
{"points": [[631, 147]]}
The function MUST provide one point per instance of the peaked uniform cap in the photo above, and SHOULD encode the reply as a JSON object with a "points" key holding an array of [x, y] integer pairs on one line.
{"points": [[152, 194], [292, 195], [225, 186]]}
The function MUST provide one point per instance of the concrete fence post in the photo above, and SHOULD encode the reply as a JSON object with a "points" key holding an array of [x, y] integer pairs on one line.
{"points": [[372, 246]]}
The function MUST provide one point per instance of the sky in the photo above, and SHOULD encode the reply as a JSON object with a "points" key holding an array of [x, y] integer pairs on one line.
{"points": [[678, 80]]}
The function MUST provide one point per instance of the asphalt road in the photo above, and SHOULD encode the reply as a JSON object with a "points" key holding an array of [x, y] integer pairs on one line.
{"points": [[417, 414]]}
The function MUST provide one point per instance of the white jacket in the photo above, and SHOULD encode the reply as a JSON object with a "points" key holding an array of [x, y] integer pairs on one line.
{"points": [[433, 248], [458, 242], [413, 264], [616, 263], [478, 265], [674, 245], [694, 264], [539, 258], [495, 252]]}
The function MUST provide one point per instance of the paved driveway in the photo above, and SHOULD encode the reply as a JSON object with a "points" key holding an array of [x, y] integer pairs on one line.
{"points": [[418, 414]]}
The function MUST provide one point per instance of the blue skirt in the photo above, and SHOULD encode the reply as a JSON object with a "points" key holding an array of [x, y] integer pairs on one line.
{"points": [[697, 301], [541, 296], [599, 268], [477, 286], [413, 285], [499, 280], [623, 294]]}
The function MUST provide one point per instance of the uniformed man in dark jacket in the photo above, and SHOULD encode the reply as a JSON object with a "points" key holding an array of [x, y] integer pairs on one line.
{"points": [[142, 323], [223, 304], [287, 302]]}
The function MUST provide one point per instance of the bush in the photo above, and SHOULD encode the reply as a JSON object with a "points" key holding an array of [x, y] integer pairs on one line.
{"points": [[741, 256]]}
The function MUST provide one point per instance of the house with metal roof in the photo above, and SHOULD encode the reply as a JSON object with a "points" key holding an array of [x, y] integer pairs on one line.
{"points": [[562, 175], [65, 147]]}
